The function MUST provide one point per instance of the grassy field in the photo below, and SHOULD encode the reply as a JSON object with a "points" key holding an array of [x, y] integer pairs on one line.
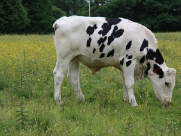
{"points": [[27, 107]]}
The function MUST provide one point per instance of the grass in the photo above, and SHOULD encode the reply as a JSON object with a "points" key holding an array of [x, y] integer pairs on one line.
{"points": [[26, 89]]}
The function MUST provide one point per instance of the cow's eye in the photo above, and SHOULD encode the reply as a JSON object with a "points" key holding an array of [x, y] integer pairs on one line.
{"points": [[167, 83]]}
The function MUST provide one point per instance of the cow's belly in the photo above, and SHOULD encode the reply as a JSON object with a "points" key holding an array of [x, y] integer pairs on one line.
{"points": [[95, 64]]}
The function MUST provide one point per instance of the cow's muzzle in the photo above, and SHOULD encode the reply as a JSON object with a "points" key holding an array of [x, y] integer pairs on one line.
{"points": [[166, 101]]}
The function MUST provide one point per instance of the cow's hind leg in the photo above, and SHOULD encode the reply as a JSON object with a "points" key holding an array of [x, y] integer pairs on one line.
{"points": [[59, 72], [73, 74], [128, 73]]}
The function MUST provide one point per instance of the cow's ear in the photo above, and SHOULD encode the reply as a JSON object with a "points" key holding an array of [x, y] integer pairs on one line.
{"points": [[170, 71], [156, 69]]}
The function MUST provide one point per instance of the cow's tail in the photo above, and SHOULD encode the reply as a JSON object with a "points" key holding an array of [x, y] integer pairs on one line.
{"points": [[55, 26], [54, 31]]}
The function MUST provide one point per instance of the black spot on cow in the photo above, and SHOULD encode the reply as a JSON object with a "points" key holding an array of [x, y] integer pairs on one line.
{"points": [[161, 76], [107, 26], [130, 56], [90, 30], [148, 67], [122, 62], [159, 58], [102, 55], [102, 48], [144, 45], [128, 45], [157, 70], [89, 42], [110, 53], [115, 34], [100, 32], [95, 27], [155, 55], [113, 21], [126, 55], [142, 60], [94, 50], [128, 63], [110, 39], [102, 40]]}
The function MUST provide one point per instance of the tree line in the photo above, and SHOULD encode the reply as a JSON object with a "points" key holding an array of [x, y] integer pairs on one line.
{"points": [[37, 16]]}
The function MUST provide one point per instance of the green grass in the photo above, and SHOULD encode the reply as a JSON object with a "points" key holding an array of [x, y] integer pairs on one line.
{"points": [[26, 86]]}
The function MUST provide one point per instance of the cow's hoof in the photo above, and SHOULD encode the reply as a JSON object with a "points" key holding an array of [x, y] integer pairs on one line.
{"points": [[59, 102], [125, 100], [81, 99], [134, 104], [81, 102]]}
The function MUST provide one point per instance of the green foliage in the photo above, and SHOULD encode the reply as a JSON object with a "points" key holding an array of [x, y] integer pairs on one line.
{"points": [[57, 12], [71, 7], [32, 16], [119, 8], [162, 15], [143, 93], [40, 14], [129, 125], [13, 16], [22, 117], [156, 15]]}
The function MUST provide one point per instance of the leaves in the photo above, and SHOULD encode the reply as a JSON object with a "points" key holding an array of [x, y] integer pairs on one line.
{"points": [[22, 117], [13, 16], [32, 16]]}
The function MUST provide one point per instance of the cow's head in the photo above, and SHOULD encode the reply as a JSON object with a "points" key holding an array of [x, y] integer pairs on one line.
{"points": [[163, 82]]}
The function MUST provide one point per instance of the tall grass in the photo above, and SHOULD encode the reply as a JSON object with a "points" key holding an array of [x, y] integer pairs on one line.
{"points": [[26, 88]]}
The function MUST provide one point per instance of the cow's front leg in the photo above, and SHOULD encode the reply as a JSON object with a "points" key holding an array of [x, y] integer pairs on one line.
{"points": [[73, 74], [125, 92], [128, 73], [129, 86]]}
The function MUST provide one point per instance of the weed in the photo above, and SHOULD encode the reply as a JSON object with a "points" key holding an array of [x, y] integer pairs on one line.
{"points": [[128, 126], [142, 94], [22, 116]]}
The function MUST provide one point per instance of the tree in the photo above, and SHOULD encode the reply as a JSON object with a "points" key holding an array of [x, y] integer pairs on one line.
{"points": [[120, 8], [13, 16], [57, 12], [41, 15], [111, 8], [71, 7], [157, 15], [162, 15], [37, 16]]}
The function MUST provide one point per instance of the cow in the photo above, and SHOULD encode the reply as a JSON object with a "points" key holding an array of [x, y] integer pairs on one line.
{"points": [[99, 42]]}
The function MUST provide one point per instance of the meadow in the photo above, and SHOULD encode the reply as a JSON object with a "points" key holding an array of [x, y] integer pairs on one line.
{"points": [[27, 107]]}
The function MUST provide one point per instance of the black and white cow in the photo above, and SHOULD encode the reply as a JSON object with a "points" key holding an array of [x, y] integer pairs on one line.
{"points": [[99, 42]]}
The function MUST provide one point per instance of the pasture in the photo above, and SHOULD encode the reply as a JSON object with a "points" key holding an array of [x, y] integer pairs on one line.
{"points": [[27, 106]]}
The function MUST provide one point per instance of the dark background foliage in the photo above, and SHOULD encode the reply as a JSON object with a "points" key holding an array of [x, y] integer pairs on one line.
{"points": [[37, 16]]}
